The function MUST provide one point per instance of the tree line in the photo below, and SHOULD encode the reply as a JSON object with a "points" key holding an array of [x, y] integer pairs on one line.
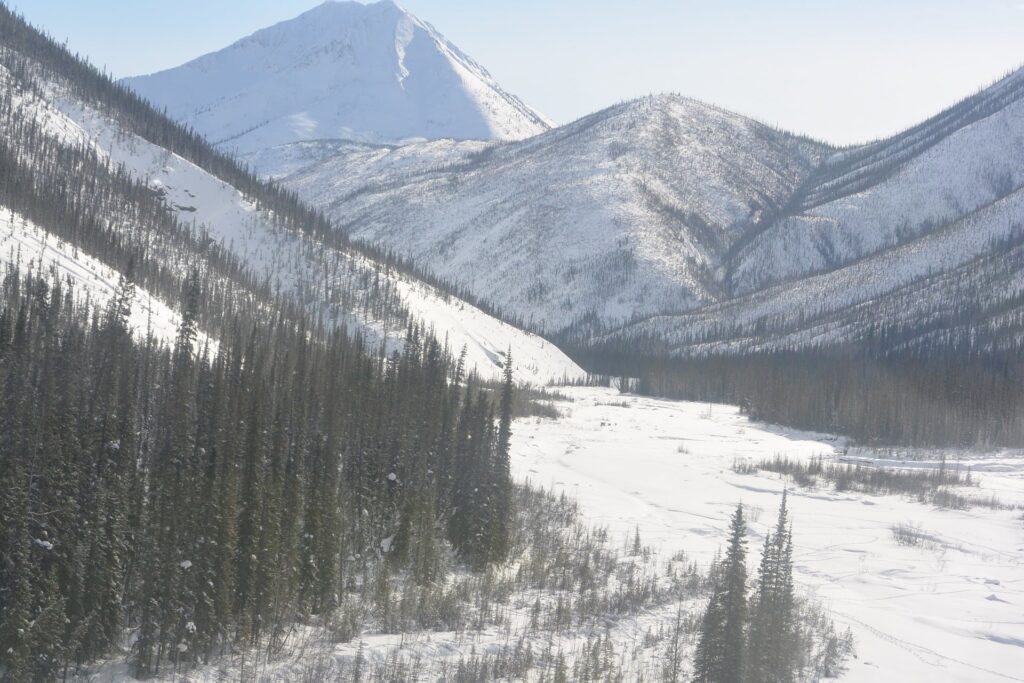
{"points": [[207, 499], [940, 397], [903, 399]]}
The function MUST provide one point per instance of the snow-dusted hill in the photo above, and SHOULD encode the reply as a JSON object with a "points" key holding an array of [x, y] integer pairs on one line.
{"points": [[341, 70], [868, 199], [626, 212], [341, 285], [923, 232], [676, 220]]}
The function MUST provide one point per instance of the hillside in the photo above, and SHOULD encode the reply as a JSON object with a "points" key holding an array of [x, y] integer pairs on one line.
{"points": [[623, 214], [700, 231], [963, 162], [341, 70], [246, 237], [921, 234]]}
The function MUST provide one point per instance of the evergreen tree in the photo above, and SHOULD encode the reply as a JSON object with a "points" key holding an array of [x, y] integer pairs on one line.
{"points": [[773, 647], [502, 475], [206, 501], [720, 653]]}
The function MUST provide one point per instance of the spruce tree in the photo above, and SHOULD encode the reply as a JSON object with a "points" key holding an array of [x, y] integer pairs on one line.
{"points": [[205, 501], [501, 510], [773, 648], [720, 653]]}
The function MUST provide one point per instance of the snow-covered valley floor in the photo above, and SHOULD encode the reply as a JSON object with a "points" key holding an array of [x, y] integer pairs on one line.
{"points": [[950, 609]]}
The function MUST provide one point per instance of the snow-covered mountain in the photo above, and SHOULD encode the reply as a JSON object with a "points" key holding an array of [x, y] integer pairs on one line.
{"points": [[675, 220], [921, 233], [624, 213], [234, 234], [341, 70], [663, 219]]}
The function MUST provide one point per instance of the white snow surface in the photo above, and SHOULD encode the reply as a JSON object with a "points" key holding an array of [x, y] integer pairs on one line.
{"points": [[341, 70], [947, 611], [299, 265], [625, 212]]}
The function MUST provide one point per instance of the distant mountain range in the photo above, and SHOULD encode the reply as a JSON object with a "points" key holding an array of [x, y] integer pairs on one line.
{"points": [[664, 223], [341, 70]]}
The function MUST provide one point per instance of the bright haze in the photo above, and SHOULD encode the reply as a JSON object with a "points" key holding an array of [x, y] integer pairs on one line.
{"points": [[840, 71]]}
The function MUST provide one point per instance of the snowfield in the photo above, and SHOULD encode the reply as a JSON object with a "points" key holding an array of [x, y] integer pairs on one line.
{"points": [[951, 609]]}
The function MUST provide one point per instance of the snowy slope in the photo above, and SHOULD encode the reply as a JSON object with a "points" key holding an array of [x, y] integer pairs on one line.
{"points": [[299, 266], [670, 219], [626, 212], [32, 249], [970, 271], [341, 70], [869, 199], [921, 231], [946, 611]]}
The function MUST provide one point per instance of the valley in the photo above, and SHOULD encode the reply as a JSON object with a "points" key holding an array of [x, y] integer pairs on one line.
{"points": [[325, 357], [947, 606], [947, 609]]}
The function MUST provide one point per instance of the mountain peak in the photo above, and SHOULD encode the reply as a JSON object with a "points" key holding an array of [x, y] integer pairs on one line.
{"points": [[352, 6], [342, 70]]}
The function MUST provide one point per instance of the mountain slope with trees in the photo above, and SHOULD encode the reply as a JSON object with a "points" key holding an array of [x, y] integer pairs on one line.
{"points": [[623, 214], [201, 207], [672, 221]]}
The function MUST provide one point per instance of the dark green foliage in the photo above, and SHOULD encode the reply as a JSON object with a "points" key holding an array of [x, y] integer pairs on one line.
{"points": [[775, 638], [773, 647], [721, 650], [207, 500], [215, 492], [948, 393]]}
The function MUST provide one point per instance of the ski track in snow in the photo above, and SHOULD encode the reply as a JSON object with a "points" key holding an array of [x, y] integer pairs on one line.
{"points": [[949, 612]]}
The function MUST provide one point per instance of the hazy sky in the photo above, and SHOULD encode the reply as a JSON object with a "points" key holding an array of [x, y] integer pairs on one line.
{"points": [[841, 70]]}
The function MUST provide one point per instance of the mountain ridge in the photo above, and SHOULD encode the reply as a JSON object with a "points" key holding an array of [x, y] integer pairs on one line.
{"points": [[907, 194], [665, 208], [187, 207], [612, 188], [372, 73]]}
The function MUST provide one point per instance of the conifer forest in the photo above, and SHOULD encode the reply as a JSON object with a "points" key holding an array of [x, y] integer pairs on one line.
{"points": [[324, 357]]}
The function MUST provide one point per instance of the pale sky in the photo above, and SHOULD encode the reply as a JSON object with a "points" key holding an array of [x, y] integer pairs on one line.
{"points": [[840, 70]]}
